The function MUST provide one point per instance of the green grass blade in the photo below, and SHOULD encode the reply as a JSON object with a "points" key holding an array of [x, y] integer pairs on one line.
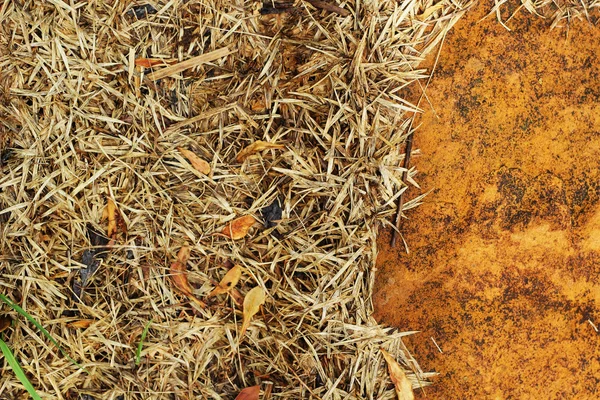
{"points": [[138, 353], [16, 367], [25, 314]]}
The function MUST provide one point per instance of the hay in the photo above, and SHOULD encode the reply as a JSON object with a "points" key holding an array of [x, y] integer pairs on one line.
{"points": [[81, 123]]}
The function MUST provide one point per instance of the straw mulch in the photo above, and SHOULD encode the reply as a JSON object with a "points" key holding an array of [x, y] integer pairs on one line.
{"points": [[83, 122]]}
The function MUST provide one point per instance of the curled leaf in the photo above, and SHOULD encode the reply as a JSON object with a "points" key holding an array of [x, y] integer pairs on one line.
{"points": [[239, 227], [401, 383], [179, 276], [80, 324], [252, 302], [255, 147], [228, 282], [249, 393], [199, 164]]}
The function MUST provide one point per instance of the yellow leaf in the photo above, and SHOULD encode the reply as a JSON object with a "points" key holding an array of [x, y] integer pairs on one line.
{"points": [[252, 302], [199, 164], [179, 276], [239, 227], [115, 220], [228, 282], [255, 147], [111, 214], [82, 323], [401, 382], [249, 393]]}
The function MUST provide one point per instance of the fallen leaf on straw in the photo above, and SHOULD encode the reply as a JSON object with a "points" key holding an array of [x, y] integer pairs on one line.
{"points": [[401, 382], [115, 221], [255, 147], [5, 322], [91, 258], [179, 276], [82, 323], [154, 62], [249, 393], [239, 227], [199, 164], [111, 214], [272, 213], [252, 302], [228, 282]]}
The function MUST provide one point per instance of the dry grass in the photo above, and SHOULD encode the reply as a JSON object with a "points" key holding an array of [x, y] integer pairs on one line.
{"points": [[86, 124]]}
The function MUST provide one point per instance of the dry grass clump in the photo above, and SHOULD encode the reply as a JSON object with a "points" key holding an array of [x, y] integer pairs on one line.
{"points": [[87, 122], [87, 114]]}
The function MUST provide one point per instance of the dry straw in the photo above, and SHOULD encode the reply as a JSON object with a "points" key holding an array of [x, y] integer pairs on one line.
{"points": [[80, 123]]}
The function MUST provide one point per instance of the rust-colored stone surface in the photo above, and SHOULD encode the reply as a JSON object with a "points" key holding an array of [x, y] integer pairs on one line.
{"points": [[504, 264]]}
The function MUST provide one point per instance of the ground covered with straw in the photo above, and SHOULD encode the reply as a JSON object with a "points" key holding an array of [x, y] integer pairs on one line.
{"points": [[86, 120], [129, 131]]}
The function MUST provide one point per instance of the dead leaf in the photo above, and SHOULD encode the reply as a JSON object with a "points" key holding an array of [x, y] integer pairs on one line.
{"points": [[44, 238], [252, 302], [5, 322], [272, 213], [115, 220], [199, 164], [249, 393], [228, 282], [239, 227], [111, 214], [154, 62], [81, 324], [91, 259], [255, 147], [401, 382], [237, 297], [179, 276]]}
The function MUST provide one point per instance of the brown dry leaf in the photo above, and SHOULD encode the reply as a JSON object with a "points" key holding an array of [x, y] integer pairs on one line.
{"points": [[228, 282], [255, 147], [179, 276], [199, 164], [249, 393], [5, 322], [82, 323], [401, 382], [239, 227], [252, 302], [154, 62]]}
